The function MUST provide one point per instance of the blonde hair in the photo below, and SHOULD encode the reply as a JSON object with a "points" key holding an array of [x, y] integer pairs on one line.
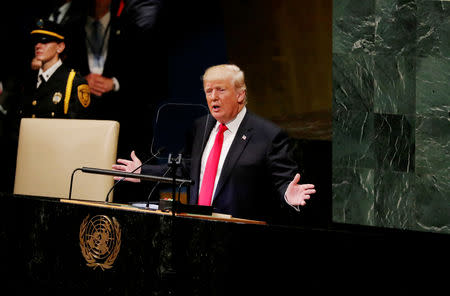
{"points": [[224, 71]]}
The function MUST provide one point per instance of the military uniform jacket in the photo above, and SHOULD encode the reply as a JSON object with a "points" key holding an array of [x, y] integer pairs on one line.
{"points": [[65, 95]]}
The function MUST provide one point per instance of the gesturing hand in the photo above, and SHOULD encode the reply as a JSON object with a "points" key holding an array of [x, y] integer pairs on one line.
{"points": [[128, 166], [297, 194]]}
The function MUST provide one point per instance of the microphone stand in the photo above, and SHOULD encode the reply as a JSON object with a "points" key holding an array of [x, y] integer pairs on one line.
{"points": [[153, 189], [174, 163]]}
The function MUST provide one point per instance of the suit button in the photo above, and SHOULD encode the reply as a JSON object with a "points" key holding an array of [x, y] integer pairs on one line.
{"points": [[53, 114], [34, 103], [33, 116]]}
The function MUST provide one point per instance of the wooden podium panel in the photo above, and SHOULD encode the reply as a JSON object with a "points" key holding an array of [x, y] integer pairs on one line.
{"points": [[60, 248]]}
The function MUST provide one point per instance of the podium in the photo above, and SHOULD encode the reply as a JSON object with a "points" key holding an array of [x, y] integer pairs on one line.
{"points": [[68, 248]]}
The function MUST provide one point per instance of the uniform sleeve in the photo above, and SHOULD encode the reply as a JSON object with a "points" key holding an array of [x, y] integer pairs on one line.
{"points": [[80, 101]]}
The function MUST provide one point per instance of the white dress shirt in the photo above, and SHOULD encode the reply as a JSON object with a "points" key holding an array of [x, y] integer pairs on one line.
{"points": [[96, 65], [47, 74], [228, 137]]}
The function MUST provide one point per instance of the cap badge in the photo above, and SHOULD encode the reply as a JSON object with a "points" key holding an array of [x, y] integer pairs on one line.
{"points": [[40, 23]]}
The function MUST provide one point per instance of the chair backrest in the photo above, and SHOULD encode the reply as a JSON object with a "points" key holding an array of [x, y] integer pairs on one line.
{"points": [[49, 150]]}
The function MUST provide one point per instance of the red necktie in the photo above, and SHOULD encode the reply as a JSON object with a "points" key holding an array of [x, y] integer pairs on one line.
{"points": [[209, 177]]}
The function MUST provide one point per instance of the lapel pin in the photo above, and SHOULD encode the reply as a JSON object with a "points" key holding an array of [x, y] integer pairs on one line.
{"points": [[244, 137]]}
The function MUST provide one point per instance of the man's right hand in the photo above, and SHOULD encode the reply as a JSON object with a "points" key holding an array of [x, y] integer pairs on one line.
{"points": [[128, 166], [99, 84]]}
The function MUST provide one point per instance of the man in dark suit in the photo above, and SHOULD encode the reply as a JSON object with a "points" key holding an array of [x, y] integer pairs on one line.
{"points": [[114, 46], [243, 166]]}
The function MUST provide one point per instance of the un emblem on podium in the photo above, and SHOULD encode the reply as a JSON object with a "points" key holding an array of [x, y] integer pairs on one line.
{"points": [[100, 239]]}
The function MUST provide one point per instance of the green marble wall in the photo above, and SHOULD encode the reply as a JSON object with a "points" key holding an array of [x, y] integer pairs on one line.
{"points": [[391, 107]]}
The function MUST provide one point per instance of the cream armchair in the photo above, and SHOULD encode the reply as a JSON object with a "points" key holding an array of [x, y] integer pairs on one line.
{"points": [[50, 150]]}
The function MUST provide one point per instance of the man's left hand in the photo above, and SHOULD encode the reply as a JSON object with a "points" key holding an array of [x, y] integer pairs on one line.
{"points": [[297, 194]]}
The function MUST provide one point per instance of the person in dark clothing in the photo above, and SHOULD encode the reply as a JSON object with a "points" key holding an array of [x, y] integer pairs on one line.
{"points": [[54, 90]]}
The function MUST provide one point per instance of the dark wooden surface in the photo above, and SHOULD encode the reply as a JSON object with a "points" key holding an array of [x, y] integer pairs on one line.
{"points": [[165, 255]]}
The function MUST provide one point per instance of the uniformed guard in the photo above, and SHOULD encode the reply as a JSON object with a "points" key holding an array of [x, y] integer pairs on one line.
{"points": [[55, 91]]}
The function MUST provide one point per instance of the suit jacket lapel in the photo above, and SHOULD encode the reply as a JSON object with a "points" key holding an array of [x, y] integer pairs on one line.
{"points": [[240, 141]]}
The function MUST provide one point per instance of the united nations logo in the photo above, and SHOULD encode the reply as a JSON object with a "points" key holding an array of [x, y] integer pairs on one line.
{"points": [[100, 241]]}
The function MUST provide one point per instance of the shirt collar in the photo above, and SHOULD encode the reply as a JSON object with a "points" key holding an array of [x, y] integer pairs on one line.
{"points": [[234, 124], [65, 7], [63, 10], [47, 74]]}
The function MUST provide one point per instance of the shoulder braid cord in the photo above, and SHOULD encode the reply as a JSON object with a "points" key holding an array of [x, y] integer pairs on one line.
{"points": [[68, 90]]}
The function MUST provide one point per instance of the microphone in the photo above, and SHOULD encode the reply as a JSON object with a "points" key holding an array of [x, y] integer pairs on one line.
{"points": [[160, 150]]}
